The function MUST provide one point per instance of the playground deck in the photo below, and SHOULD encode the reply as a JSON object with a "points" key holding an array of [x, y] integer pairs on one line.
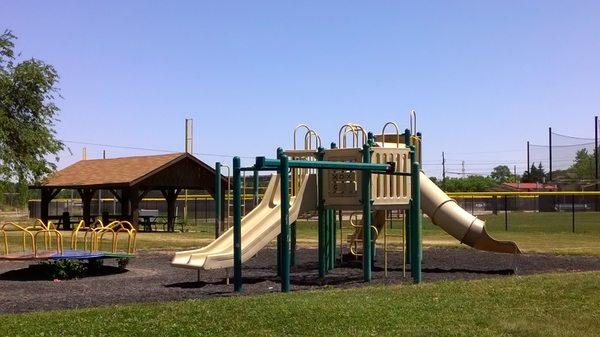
{"points": [[150, 278]]}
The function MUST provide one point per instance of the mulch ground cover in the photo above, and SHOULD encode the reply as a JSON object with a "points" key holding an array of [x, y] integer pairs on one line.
{"points": [[150, 277]]}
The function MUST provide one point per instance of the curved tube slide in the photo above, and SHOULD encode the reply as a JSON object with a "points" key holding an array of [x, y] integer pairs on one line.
{"points": [[465, 227]]}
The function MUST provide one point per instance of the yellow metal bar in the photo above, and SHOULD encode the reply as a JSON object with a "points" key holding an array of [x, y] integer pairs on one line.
{"points": [[521, 194]]}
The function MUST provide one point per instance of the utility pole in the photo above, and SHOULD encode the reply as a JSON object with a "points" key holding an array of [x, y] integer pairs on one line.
{"points": [[463, 169], [189, 148], [443, 166], [596, 158], [550, 153], [189, 135], [596, 148]]}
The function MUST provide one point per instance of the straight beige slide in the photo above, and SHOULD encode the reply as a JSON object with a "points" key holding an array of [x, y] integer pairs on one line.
{"points": [[259, 227]]}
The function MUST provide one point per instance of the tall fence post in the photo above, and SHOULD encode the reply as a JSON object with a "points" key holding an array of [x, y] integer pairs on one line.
{"points": [[505, 212], [255, 180], [573, 213], [218, 224]]}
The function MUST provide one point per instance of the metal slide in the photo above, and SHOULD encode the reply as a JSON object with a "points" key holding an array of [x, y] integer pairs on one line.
{"points": [[259, 227], [465, 227]]}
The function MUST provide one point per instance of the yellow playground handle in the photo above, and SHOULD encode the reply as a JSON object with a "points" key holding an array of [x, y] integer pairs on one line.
{"points": [[16, 227]]}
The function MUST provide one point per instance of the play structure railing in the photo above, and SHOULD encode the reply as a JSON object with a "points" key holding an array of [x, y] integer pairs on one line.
{"points": [[52, 240]]}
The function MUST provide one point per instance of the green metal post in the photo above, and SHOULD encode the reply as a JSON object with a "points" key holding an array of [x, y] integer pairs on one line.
{"points": [[237, 224], [321, 215], [366, 201], [218, 200], [285, 224], [293, 245], [279, 154], [330, 239], [407, 234], [333, 239], [332, 243], [420, 149], [255, 189], [415, 223]]}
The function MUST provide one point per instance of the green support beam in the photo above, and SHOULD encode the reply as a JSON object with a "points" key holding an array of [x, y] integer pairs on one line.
{"points": [[321, 216], [366, 201], [285, 224], [389, 168], [293, 244], [237, 225], [407, 142], [416, 250]]}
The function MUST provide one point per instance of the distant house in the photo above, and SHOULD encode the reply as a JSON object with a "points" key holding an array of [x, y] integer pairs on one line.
{"points": [[529, 187]]}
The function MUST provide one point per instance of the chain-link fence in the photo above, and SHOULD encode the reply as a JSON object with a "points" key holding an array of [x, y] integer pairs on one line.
{"points": [[195, 213], [567, 209]]}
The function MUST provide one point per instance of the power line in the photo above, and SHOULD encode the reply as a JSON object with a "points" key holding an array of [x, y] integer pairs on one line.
{"points": [[151, 149]]}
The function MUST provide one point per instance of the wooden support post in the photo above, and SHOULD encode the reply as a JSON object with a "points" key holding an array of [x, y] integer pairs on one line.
{"points": [[125, 196], [47, 195], [135, 207], [45, 204], [86, 195], [170, 196]]}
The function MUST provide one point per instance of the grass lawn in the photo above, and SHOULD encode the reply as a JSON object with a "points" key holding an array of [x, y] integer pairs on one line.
{"points": [[540, 305], [533, 232]]}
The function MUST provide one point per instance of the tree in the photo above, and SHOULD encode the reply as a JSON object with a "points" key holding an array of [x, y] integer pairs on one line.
{"points": [[584, 166], [501, 174], [474, 183], [534, 175], [27, 115]]}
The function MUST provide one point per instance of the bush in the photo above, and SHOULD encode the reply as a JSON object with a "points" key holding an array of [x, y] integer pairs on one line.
{"points": [[122, 263], [64, 269]]}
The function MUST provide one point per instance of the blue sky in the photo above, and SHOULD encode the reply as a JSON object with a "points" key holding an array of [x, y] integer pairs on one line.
{"points": [[484, 76]]}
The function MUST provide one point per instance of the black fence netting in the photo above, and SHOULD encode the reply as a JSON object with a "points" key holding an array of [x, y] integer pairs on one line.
{"points": [[566, 158]]}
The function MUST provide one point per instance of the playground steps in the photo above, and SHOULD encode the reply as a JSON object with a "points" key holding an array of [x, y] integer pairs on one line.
{"points": [[355, 240]]}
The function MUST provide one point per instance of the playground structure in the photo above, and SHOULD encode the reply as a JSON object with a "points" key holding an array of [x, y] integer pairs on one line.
{"points": [[383, 170], [43, 241]]}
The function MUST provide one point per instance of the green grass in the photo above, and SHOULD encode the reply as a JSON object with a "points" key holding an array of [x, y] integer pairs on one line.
{"points": [[533, 232], [541, 305]]}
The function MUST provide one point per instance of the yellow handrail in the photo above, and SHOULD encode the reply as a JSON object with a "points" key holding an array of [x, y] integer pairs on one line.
{"points": [[18, 228], [50, 231]]}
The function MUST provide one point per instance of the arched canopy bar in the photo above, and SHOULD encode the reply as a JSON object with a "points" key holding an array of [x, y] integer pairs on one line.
{"points": [[356, 130], [296, 130], [308, 138], [397, 133], [413, 122]]}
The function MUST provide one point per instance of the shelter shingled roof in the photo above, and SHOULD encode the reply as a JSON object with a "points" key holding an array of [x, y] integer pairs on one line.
{"points": [[115, 172]]}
